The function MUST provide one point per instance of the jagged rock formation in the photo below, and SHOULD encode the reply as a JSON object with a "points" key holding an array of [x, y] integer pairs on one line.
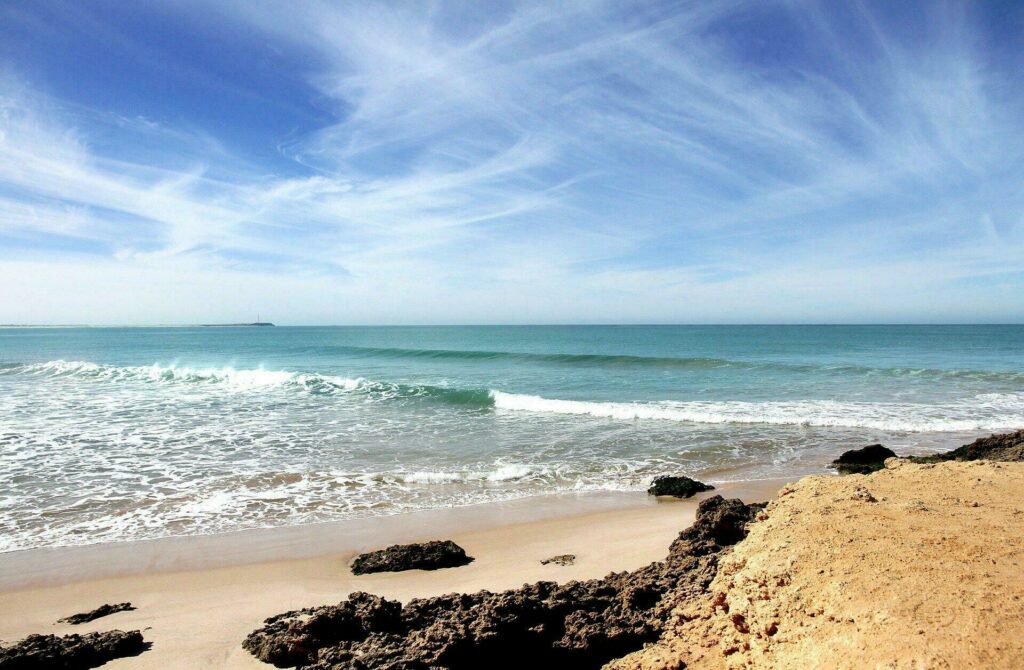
{"points": [[863, 461], [913, 566], [577, 625], [101, 611], [70, 652], [1005, 447], [421, 556], [678, 487]]}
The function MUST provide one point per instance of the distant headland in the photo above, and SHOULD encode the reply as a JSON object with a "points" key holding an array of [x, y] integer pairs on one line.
{"points": [[257, 322]]}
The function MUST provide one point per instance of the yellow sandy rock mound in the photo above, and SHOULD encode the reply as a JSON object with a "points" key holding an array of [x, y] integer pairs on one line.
{"points": [[915, 566]]}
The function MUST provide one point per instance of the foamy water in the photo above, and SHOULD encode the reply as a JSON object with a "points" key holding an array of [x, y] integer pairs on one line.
{"points": [[985, 411], [114, 434]]}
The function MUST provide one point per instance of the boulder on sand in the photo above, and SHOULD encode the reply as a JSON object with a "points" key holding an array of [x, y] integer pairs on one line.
{"points": [[677, 487], [71, 652], [101, 611], [863, 461], [420, 556]]}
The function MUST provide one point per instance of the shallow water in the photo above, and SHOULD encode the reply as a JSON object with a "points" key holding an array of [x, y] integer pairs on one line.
{"points": [[122, 433]]}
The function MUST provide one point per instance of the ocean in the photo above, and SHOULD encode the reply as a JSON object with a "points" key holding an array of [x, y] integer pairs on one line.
{"points": [[111, 434]]}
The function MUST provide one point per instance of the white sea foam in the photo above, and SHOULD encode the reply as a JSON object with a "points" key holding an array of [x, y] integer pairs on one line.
{"points": [[226, 377], [987, 411], [500, 473], [433, 477], [216, 503], [990, 411], [506, 473]]}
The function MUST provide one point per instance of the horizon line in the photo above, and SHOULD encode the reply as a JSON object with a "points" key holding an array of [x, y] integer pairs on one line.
{"points": [[528, 325]]}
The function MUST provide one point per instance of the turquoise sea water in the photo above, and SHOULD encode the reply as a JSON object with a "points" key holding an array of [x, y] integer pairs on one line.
{"points": [[121, 433]]}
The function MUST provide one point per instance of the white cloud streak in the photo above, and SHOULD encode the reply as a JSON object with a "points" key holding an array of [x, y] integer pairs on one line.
{"points": [[569, 162]]}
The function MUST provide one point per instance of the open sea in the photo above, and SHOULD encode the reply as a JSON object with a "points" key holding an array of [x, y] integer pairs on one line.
{"points": [[111, 434]]}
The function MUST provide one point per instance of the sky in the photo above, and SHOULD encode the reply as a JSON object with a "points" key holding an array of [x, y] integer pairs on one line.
{"points": [[511, 162]]}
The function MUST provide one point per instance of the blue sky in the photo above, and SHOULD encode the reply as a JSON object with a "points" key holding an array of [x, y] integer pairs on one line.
{"points": [[352, 162]]}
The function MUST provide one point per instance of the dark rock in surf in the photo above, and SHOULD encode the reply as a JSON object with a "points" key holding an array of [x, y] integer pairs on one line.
{"points": [[1004, 447], [677, 487], [101, 611], [562, 559], [421, 556], [863, 461], [575, 625], [70, 652]]}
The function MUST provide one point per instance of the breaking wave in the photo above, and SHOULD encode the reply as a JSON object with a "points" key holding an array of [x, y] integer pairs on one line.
{"points": [[502, 473], [990, 411], [252, 380]]}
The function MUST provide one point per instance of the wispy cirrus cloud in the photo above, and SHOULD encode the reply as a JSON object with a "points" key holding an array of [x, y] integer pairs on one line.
{"points": [[590, 161]]}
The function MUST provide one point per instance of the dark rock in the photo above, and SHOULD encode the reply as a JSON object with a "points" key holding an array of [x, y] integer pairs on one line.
{"points": [[1004, 447], [720, 523], [101, 611], [46, 652], [863, 461], [679, 487], [563, 559], [575, 625], [292, 639], [421, 556]]}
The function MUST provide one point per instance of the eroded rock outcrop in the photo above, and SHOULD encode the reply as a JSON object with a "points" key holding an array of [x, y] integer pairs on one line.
{"points": [[420, 556], [677, 487], [70, 652], [913, 566], [101, 611], [1004, 447], [578, 624]]}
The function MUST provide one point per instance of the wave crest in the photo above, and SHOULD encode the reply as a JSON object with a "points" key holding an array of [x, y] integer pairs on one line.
{"points": [[501, 473], [991, 411], [251, 380]]}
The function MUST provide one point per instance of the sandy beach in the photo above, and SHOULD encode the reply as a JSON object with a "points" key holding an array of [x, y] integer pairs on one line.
{"points": [[913, 565], [198, 617]]}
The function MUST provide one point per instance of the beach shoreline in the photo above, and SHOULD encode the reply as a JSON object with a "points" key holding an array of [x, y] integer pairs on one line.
{"points": [[197, 597], [737, 585], [54, 566]]}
